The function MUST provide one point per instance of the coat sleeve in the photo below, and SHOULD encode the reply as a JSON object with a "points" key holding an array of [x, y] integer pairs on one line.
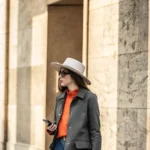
{"points": [[52, 133], [94, 122]]}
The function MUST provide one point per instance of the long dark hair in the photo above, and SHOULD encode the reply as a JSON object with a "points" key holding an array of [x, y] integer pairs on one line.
{"points": [[77, 79]]}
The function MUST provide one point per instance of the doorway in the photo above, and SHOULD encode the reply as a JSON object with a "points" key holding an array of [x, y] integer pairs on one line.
{"points": [[65, 32]]}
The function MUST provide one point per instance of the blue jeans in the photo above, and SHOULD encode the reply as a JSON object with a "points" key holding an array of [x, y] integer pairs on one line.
{"points": [[59, 144]]}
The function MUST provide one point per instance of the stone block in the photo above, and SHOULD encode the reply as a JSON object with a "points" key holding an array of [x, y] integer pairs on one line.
{"points": [[22, 86], [131, 129], [133, 26], [10, 146], [39, 40], [40, 7], [148, 129], [24, 48], [13, 50], [37, 114], [27, 86], [1, 95], [148, 88], [142, 129], [32, 44], [14, 3], [3, 49], [3, 18], [133, 80], [103, 31], [37, 86], [108, 118], [25, 16], [103, 75], [14, 12], [1, 78], [143, 25], [12, 120], [23, 130], [12, 88], [1, 2]]}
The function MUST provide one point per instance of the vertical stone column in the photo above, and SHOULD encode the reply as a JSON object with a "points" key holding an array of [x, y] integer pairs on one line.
{"points": [[27, 75], [3, 72], [148, 99], [118, 68], [12, 74], [103, 65], [132, 75]]}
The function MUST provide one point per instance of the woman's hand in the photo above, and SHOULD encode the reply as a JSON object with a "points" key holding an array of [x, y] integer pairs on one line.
{"points": [[52, 127]]}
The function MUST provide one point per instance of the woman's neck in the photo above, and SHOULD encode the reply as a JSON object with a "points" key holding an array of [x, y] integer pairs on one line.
{"points": [[72, 87]]}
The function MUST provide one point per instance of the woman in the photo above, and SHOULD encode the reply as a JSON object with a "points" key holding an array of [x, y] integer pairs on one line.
{"points": [[77, 124]]}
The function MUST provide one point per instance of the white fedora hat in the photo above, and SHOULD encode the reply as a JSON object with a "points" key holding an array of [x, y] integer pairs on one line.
{"points": [[73, 65]]}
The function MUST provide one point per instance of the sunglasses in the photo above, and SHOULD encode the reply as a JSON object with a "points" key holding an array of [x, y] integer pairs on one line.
{"points": [[63, 73]]}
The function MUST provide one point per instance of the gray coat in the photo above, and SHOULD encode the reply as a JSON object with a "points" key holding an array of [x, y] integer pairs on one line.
{"points": [[83, 124]]}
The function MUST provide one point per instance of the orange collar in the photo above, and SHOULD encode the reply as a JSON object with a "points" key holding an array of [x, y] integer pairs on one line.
{"points": [[72, 93]]}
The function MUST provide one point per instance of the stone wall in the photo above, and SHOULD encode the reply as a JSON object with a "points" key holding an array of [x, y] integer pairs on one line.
{"points": [[27, 74], [132, 75], [103, 65], [115, 44], [118, 67]]}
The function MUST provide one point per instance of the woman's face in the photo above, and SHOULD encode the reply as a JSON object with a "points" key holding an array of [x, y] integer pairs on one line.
{"points": [[64, 78]]}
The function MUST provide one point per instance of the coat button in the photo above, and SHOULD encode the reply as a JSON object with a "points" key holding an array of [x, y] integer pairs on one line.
{"points": [[59, 114], [68, 143]]}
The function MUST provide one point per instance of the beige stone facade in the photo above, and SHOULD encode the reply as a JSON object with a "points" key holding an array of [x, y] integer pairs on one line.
{"points": [[111, 37]]}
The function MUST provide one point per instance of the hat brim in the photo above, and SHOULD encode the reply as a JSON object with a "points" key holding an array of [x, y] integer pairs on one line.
{"points": [[57, 67]]}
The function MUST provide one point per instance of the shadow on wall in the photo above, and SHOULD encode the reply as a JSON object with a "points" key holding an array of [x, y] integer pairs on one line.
{"points": [[132, 74]]}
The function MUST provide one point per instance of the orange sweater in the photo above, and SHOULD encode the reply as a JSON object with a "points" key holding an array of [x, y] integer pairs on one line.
{"points": [[63, 124]]}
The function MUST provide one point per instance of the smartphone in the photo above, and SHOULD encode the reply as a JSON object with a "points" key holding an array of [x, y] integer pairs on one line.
{"points": [[47, 121]]}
